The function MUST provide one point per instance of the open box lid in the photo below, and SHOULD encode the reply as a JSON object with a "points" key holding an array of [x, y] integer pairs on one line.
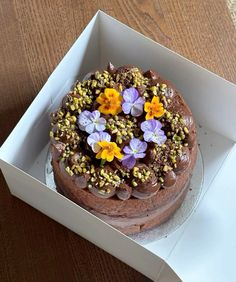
{"points": [[206, 93]]}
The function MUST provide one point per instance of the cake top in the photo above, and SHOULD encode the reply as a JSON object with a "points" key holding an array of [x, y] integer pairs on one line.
{"points": [[120, 132]]}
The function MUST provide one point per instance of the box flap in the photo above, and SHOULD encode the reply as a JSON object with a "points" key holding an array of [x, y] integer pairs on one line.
{"points": [[207, 248]]}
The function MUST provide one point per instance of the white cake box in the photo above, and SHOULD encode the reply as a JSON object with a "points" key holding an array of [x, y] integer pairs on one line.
{"points": [[201, 249]]}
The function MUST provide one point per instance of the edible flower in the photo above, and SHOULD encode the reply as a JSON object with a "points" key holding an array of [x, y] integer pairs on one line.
{"points": [[110, 102], [132, 102], [96, 137], [152, 131], [154, 108], [134, 151], [91, 121], [108, 150]]}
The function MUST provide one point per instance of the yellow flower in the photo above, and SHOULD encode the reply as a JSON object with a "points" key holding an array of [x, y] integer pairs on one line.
{"points": [[154, 108], [108, 151], [110, 102]]}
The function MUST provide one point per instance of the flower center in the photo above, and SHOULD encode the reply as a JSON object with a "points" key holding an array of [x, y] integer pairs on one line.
{"points": [[109, 148]]}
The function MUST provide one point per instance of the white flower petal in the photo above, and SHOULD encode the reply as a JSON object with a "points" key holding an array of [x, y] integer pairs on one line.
{"points": [[105, 136], [95, 115], [130, 95], [148, 135], [93, 138], [84, 119], [90, 128], [137, 110], [96, 148]]}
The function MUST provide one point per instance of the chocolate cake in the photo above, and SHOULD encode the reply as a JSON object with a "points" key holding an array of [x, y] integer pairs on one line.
{"points": [[123, 146]]}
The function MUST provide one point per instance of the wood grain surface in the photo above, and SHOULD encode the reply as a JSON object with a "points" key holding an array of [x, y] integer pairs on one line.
{"points": [[35, 35]]}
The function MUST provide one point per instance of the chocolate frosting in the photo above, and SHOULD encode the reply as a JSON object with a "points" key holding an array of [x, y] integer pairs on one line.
{"points": [[81, 181], [104, 194], [57, 149], [153, 76], [169, 179], [74, 158], [124, 191], [183, 160], [111, 69], [148, 188]]}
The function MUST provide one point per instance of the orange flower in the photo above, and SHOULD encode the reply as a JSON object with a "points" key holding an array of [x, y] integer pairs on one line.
{"points": [[108, 151], [110, 102], [154, 108]]}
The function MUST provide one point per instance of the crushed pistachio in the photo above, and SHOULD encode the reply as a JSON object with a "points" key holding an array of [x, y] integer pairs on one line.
{"points": [[122, 128], [140, 174], [104, 177]]}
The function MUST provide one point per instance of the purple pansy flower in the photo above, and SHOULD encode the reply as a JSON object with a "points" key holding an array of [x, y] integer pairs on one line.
{"points": [[132, 102], [91, 121], [94, 138], [152, 131], [134, 151]]}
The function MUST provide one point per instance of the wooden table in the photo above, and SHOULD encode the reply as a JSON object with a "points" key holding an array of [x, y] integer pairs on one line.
{"points": [[35, 35]]}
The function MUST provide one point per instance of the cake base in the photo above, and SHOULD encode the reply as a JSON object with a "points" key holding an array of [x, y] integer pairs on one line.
{"points": [[142, 223], [132, 225]]}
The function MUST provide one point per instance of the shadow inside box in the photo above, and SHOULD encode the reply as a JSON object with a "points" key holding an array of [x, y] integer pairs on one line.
{"points": [[214, 149]]}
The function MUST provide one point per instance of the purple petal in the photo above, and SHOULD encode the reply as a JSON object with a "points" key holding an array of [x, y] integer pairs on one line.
{"points": [[148, 125], [137, 110], [137, 145], [143, 147], [128, 161], [95, 115], [90, 128], [84, 119], [134, 143], [159, 132], [139, 155], [86, 113], [140, 100], [159, 139], [127, 150], [126, 107], [158, 125], [148, 136], [126, 157], [130, 95]]}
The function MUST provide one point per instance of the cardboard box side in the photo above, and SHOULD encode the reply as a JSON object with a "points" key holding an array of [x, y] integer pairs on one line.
{"points": [[207, 248], [81, 221], [202, 89], [167, 275]]}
